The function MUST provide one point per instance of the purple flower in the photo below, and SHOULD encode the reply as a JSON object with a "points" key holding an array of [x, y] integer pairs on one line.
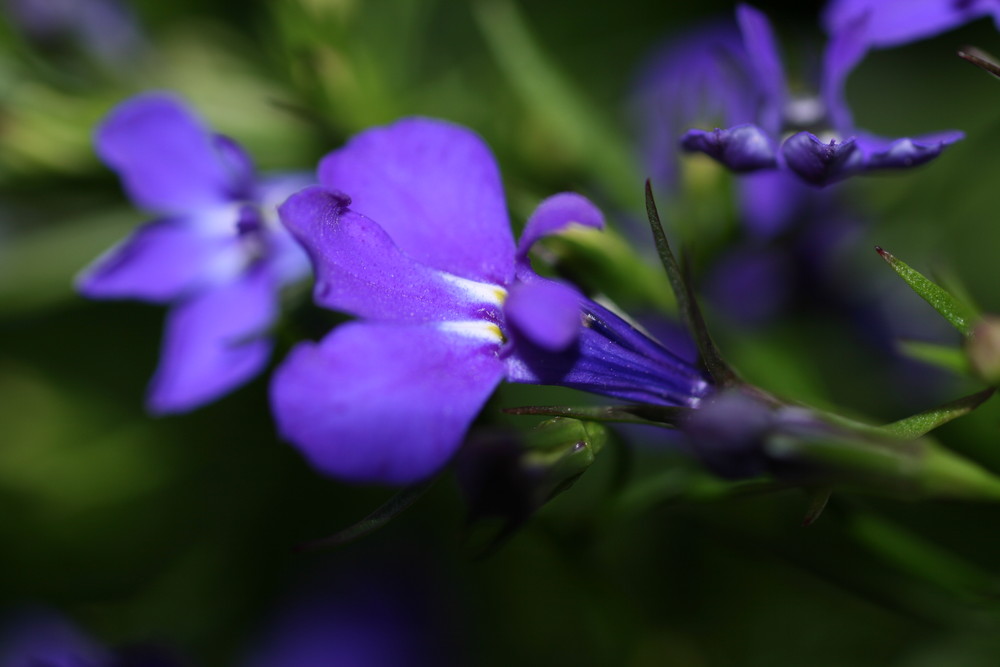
{"points": [[105, 28], [216, 254], [448, 306], [40, 638], [755, 142], [888, 23]]}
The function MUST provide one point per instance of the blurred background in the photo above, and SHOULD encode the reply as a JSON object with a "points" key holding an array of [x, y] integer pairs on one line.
{"points": [[176, 535]]}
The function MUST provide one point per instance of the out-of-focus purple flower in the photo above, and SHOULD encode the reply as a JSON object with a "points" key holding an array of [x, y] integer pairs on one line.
{"points": [[375, 619], [216, 254], [105, 28], [698, 76], [39, 638], [889, 23], [422, 253], [756, 142]]}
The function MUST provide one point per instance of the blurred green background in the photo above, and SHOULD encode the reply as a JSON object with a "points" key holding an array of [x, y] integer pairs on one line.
{"points": [[180, 530]]}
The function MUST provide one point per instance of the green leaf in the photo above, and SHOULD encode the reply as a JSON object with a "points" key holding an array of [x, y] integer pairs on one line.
{"points": [[888, 466], [721, 373], [923, 559], [544, 90], [948, 357], [959, 314], [925, 422]]}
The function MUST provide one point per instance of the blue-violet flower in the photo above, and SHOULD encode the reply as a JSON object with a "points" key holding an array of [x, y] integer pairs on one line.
{"points": [[217, 253], [760, 143], [448, 306]]}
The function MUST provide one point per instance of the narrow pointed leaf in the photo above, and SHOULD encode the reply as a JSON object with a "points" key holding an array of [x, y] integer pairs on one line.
{"points": [[721, 373], [958, 314], [818, 498], [653, 415], [381, 516], [980, 59], [947, 357], [925, 422]]}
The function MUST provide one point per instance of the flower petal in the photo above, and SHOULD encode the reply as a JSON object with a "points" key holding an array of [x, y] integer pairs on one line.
{"points": [[167, 159], [546, 312], [846, 48], [360, 270], [821, 163], [698, 78], [765, 63], [552, 216], [896, 22], [214, 342], [742, 148], [383, 402], [906, 152], [771, 201], [435, 189], [161, 261]]}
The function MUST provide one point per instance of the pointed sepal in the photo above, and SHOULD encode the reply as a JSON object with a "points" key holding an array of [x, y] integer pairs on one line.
{"points": [[924, 422], [690, 311], [958, 313]]}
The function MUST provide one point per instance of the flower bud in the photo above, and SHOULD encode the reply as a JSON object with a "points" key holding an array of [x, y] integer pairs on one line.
{"points": [[983, 349]]}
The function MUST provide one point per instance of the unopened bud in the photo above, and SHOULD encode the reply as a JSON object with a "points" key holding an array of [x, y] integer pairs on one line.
{"points": [[983, 349]]}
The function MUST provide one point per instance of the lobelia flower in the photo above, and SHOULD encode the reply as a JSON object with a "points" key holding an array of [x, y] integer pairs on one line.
{"points": [[756, 143], [448, 307], [889, 23], [216, 254], [106, 29]]}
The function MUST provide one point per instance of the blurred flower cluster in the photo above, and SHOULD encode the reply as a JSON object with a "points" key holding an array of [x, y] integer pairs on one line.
{"points": [[390, 256]]}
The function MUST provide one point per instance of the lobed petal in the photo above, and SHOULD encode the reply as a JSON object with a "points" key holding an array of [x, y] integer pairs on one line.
{"points": [[361, 271], [214, 342], [546, 312], [742, 148], [906, 152], [434, 187], [167, 159], [552, 216], [160, 262], [382, 402], [820, 163]]}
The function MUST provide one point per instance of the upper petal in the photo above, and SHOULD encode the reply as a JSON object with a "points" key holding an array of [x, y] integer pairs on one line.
{"points": [[846, 48], [361, 271], [168, 160], [553, 215], [698, 78], [765, 63], [546, 312], [896, 22], [741, 148], [383, 402], [214, 342], [434, 187]]}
